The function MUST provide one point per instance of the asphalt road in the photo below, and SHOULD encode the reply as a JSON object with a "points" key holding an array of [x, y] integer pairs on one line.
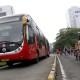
{"points": [[71, 68], [30, 71]]}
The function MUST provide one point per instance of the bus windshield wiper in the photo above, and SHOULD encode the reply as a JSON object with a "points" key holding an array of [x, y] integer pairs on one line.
{"points": [[16, 43], [4, 42], [10, 42]]}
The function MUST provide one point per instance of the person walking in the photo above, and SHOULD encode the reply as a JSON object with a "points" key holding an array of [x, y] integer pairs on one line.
{"points": [[57, 51]]}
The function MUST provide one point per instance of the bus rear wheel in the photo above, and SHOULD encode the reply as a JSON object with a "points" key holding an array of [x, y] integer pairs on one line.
{"points": [[46, 55]]}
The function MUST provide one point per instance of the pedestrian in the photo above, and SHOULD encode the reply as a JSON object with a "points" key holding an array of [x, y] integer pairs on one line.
{"points": [[60, 52], [76, 54], [57, 51]]}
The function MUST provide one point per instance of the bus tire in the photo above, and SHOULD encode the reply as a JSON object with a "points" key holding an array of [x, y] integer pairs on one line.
{"points": [[37, 57], [46, 55], [10, 64]]}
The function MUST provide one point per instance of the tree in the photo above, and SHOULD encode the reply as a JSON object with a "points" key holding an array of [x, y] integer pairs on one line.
{"points": [[67, 37]]}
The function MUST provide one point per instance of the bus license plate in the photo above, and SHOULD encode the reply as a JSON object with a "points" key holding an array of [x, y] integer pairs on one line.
{"points": [[5, 59]]}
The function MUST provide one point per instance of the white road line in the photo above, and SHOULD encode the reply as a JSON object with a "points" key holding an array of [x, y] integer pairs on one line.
{"points": [[62, 71]]}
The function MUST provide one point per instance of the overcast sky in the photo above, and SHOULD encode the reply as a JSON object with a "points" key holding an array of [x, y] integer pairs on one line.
{"points": [[49, 15]]}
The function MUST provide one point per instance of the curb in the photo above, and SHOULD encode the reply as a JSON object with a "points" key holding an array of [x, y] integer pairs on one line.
{"points": [[51, 75]]}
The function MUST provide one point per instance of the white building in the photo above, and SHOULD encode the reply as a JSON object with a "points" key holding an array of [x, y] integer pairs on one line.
{"points": [[73, 17], [6, 10], [51, 47]]}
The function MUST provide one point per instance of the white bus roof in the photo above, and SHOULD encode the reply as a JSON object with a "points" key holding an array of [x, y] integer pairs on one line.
{"points": [[14, 15], [10, 18]]}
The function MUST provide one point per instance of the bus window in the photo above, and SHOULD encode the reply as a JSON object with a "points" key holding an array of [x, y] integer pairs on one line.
{"points": [[31, 35], [11, 32]]}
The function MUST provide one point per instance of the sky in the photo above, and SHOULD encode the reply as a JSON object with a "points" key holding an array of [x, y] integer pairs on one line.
{"points": [[49, 15]]}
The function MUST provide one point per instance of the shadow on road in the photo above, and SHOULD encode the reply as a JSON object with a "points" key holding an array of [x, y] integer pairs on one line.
{"points": [[20, 65]]}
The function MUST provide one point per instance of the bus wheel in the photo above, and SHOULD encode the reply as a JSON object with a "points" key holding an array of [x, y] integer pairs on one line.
{"points": [[37, 57], [46, 55], [10, 64]]}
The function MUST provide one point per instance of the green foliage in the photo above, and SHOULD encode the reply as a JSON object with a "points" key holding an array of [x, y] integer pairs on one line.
{"points": [[66, 38]]}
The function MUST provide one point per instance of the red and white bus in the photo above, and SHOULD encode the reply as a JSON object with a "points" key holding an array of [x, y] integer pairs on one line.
{"points": [[21, 39]]}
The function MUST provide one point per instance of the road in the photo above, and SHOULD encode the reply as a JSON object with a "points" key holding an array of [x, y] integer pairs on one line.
{"points": [[71, 68], [30, 71]]}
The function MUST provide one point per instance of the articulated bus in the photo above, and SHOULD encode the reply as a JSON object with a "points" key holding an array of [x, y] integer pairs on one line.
{"points": [[21, 40]]}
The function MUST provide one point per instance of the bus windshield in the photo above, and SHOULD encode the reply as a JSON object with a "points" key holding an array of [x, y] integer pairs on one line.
{"points": [[11, 31]]}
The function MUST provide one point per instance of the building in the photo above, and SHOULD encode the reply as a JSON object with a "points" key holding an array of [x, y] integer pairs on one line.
{"points": [[6, 10], [73, 17], [51, 47]]}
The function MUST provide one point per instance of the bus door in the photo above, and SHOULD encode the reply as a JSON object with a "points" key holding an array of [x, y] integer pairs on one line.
{"points": [[41, 46], [31, 41]]}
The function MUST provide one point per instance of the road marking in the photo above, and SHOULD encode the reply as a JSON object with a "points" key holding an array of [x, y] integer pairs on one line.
{"points": [[62, 70], [51, 75]]}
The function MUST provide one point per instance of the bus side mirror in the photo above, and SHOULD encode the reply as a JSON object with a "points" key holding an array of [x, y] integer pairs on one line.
{"points": [[24, 21]]}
